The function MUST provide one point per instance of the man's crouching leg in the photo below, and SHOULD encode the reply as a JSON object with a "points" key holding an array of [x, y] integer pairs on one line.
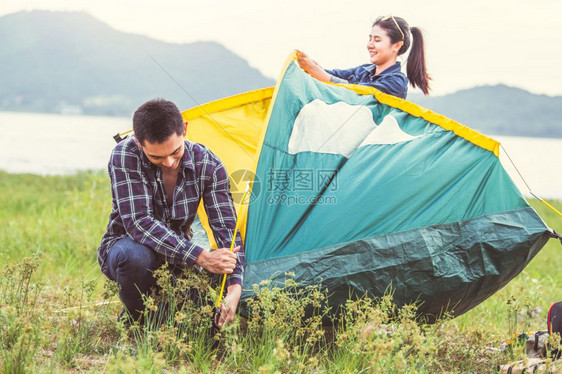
{"points": [[131, 265]]}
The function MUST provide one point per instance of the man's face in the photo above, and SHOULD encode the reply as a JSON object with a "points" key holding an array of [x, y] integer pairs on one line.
{"points": [[167, 155]]}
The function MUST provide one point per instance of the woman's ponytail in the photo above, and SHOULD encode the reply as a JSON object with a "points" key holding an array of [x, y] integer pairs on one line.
{"points": [[416, 69]]}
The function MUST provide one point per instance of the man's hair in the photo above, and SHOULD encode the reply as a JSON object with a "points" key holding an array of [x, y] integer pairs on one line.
{"points": [[157, 120]]}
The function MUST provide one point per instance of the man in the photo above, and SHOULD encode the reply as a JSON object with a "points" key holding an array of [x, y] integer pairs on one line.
{"points": [[157, 181]]}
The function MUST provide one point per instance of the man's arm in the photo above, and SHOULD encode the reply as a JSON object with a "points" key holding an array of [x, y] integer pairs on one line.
{"points": [[222, 215], [222, 219]]}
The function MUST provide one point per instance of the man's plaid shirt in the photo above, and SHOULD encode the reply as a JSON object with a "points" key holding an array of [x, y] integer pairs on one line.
{"points": [[140, 209]]}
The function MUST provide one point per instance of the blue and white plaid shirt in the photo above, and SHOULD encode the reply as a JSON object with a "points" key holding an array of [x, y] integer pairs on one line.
{"points": [[140, 208]]}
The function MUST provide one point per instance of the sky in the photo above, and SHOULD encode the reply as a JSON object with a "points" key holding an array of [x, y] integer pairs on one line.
{"points": [[468, 43]]}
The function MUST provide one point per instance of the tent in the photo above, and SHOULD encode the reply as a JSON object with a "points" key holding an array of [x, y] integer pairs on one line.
{"points": [[363, 192]]}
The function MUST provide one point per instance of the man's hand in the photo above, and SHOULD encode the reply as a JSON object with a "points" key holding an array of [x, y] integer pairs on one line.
{"points": [[229, 305], [220, 261], [311, 67]]}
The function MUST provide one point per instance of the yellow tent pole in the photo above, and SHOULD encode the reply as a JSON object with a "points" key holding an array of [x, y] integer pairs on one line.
{"points": [[547, 204], [238, 220]]}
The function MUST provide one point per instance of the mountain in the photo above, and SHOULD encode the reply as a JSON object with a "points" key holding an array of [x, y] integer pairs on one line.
{"points": [[71, 62], [499, 110], [59, 61]]}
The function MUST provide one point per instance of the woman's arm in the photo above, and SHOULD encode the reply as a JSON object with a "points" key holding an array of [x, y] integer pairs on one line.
{"points": [[311, 67]]}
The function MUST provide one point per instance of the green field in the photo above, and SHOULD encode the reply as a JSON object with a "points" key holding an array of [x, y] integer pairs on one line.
{"points": [[58, 313]]}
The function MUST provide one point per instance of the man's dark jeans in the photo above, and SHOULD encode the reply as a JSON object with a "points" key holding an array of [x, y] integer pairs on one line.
{"points": [[131, 265]]}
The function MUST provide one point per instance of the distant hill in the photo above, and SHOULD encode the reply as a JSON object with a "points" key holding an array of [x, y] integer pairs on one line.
{"points": [[70, 61], [500, 110]]}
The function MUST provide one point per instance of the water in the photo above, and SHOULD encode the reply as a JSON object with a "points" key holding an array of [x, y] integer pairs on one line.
{"points": [[60, 144], [538, 161], [56, 144]]}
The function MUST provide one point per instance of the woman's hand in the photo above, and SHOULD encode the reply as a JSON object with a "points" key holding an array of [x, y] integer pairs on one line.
{"points": [[311, 67]]}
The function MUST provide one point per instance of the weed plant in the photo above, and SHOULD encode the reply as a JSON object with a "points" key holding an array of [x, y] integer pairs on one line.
{"points": [[58, 313]]}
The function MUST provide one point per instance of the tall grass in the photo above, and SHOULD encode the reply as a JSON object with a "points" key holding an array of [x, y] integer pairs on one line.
{"points": [[58, 313], [60, 217]]}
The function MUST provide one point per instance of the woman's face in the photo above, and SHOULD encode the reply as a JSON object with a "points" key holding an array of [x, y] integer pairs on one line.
{"points": [[380, 47]]}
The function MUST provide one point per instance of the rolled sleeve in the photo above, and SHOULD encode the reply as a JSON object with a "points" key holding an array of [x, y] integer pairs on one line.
{"points": [[334, 79], [341, 75]]}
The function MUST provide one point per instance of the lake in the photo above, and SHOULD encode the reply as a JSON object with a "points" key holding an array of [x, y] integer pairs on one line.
{"points": [[63, 144]]}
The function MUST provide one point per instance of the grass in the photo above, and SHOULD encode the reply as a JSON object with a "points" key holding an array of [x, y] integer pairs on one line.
{"points": [[58, 313]]}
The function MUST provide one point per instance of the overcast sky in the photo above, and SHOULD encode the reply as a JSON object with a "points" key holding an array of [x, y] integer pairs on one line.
{"points": [[469, 43]]}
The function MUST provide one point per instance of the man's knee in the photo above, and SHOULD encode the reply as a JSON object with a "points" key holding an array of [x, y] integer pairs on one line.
{"points": [[132, 260]]}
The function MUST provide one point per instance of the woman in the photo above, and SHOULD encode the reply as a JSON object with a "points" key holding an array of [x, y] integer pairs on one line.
{"points": [[389, 38]]}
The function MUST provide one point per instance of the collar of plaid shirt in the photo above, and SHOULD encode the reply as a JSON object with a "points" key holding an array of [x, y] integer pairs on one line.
{"points": [[186, 162]]}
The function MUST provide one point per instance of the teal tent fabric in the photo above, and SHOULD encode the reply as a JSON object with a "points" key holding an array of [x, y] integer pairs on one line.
{"points": [[363, 197]]}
